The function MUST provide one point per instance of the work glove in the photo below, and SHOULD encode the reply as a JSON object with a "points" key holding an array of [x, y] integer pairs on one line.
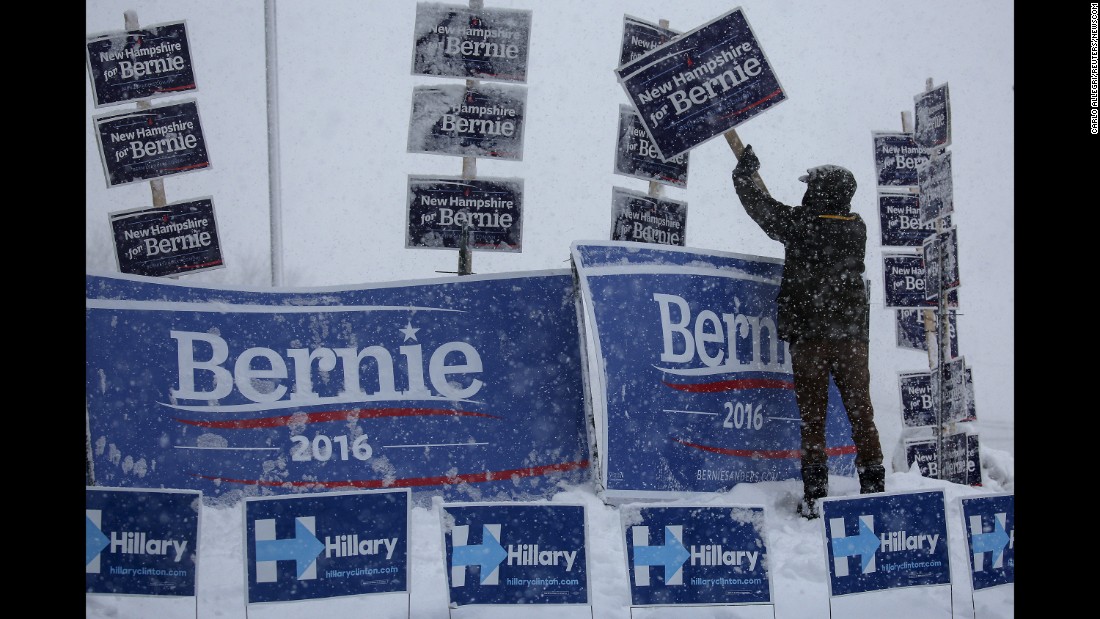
{"points": [[747, 163]]}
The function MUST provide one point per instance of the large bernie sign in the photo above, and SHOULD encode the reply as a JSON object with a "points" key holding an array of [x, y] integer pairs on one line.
{"points": [[470, 388], [694, 391]]}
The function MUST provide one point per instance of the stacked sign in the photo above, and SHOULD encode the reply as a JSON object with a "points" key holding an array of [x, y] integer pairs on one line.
{"points": [[471, 120], [152, 142], [635, 216], [921, 284]]}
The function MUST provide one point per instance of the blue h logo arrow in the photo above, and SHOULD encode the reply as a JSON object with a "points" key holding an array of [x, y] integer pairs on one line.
{"points": [[303, 548], [865, 544], [487, 555], [671, 555], [94, 541], [994, 541]]}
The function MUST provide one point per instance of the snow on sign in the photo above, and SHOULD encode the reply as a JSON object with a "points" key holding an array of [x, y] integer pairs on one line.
{"points": [[899, 220], [941, 260], [990, 524], [961, 460], [479, 121], [701, 84], [335, 544], [141, 542], [642, 218], [696, 555], [640, 37], [904, 283], [933, 118], [636, 157], [181, 237], [136, 145], [140, 64], [481, 44], [896, 158], [917, 409], [935, 189], [949, 386], [910, 330], [401, 385], [693, 390], [515, 554], [440, 207], [886, 541]]}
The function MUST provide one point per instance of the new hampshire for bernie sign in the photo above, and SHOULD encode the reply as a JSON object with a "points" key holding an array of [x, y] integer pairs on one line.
{"points": [[423, 385]]}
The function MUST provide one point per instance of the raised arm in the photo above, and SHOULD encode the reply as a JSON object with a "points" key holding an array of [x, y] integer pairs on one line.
{"points": [[770, 214]]}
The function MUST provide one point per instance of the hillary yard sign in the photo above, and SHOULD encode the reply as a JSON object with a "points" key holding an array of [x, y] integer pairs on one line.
{"points": [[696, 555], [886, 541], [326, 545], [464, 387], [140, 541], [701, 84], [693, 391], [990, 524], [515, 553]]}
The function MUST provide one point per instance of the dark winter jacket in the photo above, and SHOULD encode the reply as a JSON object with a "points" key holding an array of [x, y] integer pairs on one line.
{"points": [[823, 294]]}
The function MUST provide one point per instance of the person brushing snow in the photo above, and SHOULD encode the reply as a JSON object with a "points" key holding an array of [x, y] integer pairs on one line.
{"points": [[823, 314]]}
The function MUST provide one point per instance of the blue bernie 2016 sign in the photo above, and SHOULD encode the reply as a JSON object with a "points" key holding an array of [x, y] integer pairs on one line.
{"points": [[326, 545], [465, 387], [701, 84], [515, 553], [696, 555], [990, 525], [693, 391], [140, 541], [885, 541]]}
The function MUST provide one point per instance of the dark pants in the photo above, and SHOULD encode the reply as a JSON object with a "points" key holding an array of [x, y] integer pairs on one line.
{"points": [[813, 361]]}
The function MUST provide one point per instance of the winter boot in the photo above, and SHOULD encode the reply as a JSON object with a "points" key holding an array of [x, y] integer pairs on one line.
{"points": [[815, 485], [872, 479]]}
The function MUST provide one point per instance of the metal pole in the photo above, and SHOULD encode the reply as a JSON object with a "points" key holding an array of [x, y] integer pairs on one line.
{"points": [[273, 173]]}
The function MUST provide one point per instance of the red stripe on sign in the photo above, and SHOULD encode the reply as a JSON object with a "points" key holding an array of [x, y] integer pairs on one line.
{"points": [[322, 416], [773, 95]]}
